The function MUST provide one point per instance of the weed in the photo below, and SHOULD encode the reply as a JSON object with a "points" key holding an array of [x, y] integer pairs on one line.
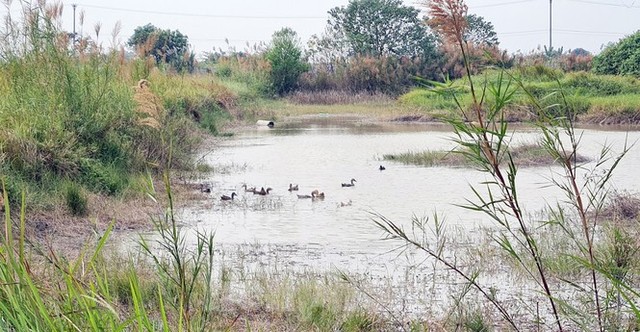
{"points": [[76, 200]]}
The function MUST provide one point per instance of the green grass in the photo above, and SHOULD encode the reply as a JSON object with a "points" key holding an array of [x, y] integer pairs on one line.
{"points": [[78, 117], [595, 97]]}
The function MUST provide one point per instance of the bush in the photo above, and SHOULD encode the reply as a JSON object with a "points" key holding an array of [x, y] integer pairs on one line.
{"points": [[75, 199], [621, 58], [285, 57]]}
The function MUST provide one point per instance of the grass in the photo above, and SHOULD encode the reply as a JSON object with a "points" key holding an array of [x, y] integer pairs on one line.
{"points": [[81, 114], [170, 285], [606, 99], [526, 155]]}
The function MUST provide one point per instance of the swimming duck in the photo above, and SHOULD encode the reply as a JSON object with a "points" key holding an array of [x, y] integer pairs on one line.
{"points": [[292, 187], [249, 190], [317, 195], [263, 191], [349, 184], [228, 198], [382, 168], [343, 204], [313, 195]]}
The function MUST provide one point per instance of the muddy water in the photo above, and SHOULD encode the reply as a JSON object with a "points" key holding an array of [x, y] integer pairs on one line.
{"points": [[322, 153]]}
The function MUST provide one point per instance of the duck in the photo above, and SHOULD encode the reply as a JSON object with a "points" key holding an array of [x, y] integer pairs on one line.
{"points": [[349, 184], [292, 187], [228, 198], [382, 168], [249, 190], [317, 195], [343, 204], [313, 195], [205, 188], [263, 191]]}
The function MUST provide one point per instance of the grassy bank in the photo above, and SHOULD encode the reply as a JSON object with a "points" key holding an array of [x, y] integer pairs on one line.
{"points": [[604, 99], [80, 121]]}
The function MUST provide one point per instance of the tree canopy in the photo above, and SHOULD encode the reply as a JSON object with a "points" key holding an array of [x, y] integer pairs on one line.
{"points": [[379, 28], [480, 32], [285, 56], [166, 46]]}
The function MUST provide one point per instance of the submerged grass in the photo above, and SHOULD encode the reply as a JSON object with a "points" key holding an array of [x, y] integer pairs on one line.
{"points": [[526, 155]]}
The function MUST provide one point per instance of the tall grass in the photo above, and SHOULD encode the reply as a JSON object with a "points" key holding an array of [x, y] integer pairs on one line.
{"points": [[75, 111]]}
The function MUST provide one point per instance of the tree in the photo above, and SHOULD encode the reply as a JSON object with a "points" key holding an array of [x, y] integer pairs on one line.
{"points": [[166, 46], [285, 56], [380, 28], [621, 58], [480, 32]]}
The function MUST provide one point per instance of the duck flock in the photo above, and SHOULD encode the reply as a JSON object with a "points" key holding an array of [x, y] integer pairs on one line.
{"points": [[314, 195]]}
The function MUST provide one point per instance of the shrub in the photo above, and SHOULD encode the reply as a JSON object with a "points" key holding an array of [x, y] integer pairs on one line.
{"points": [[75, 199], [621, 58]]}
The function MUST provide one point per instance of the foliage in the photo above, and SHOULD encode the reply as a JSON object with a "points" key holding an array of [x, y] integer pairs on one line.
{"points": [[479, 31], [476, 49], [388, 74], [75, 114], [621, 58], [596, 98], [380, 28], [285, 56], [165, 46]]}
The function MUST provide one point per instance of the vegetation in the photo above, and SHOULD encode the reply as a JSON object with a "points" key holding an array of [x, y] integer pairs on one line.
{"points": [[78, 113], [522, 156], [171, 287], [602, 294], [165, 46], [479, 31], [372, 46], [379, 28], [285, 57], [594, 98], [79, 120], [620, 58]]}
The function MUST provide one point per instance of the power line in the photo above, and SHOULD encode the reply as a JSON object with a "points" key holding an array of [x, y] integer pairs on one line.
{"points": [[501, 4], [606, 3], [143, 11], [565, 31]]}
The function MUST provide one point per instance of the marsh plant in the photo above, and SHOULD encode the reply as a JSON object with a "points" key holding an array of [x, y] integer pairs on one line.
{"points": [[186, 273], [601, 294]]}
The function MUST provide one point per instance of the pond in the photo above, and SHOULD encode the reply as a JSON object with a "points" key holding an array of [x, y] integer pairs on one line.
{"points": [[338, 233]]}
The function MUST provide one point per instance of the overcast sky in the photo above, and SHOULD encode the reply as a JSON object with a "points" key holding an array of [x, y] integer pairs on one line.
{"points": [[521, 25]]}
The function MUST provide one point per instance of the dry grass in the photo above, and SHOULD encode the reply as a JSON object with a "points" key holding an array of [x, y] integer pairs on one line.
{"points": [[387, 110], [148, 105], [337, 97], [622, 206]]}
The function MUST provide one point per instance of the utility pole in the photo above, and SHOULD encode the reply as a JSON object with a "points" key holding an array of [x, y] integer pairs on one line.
{"points": [[550, 24], [74, 21]]}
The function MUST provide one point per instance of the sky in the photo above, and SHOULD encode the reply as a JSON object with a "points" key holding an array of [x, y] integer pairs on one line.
{"points": [[522, 25]]}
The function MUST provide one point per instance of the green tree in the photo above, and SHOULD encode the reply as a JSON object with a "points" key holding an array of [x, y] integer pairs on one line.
{"points": [[380, 28], [480, 32], [621, 58], [166, 46], [284, 54]]}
